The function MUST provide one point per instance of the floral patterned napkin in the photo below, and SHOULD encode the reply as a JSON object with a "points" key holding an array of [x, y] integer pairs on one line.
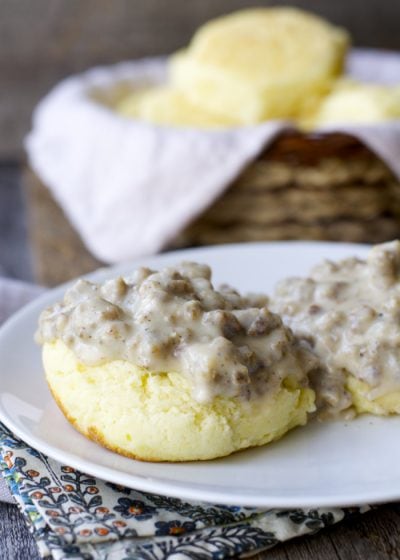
{"points": [[76, 516]]}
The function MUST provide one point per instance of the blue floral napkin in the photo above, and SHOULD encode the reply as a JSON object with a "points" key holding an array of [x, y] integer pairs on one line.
{"points": [[76, 516]]}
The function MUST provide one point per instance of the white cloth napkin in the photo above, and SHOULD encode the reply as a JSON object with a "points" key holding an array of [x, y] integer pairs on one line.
{"points": [[130, 187], [13, 295]]}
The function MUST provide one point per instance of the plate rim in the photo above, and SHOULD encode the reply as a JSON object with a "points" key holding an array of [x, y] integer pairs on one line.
{"points": [[184, 490]]}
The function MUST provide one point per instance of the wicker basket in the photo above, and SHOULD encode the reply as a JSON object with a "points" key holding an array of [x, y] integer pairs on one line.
{"points": [[305, 186]]}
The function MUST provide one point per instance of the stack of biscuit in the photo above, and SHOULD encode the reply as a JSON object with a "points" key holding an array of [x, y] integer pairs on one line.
{"points": [[245, 68]]}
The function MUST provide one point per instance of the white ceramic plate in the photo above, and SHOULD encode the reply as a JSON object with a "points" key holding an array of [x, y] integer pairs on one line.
{"points": [[330, 464]]}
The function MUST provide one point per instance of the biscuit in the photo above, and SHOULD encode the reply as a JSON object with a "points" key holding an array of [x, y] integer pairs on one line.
{"points": [[154, 417], [362, 401], [167, 106], [355, 102], [347, 311]]}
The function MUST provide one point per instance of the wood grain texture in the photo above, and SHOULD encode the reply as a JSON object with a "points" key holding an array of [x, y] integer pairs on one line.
{"points": [[15, 261], [16, 543], [46, 40], [374, 535]]}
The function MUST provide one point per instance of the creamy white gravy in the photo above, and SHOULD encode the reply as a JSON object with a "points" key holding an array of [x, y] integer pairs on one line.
{"points": [[175, 320], [349, 314]]}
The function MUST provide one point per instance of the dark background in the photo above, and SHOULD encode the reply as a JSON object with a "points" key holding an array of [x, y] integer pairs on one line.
{"points": [[41, 41]]}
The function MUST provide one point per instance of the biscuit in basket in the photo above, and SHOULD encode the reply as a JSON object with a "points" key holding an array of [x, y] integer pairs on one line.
{"points": [[351, 101], [260, 63], [163, 367], [167, 106]]}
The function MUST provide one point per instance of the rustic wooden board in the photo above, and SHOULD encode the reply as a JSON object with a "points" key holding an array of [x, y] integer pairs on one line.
{"points": [[46, 40]]}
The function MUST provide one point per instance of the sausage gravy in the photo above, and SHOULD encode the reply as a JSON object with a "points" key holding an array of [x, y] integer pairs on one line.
{"points": [[175, 320]]}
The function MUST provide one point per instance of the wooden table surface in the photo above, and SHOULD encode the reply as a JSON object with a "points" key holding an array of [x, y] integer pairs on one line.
{"points": [[374, 535]]}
